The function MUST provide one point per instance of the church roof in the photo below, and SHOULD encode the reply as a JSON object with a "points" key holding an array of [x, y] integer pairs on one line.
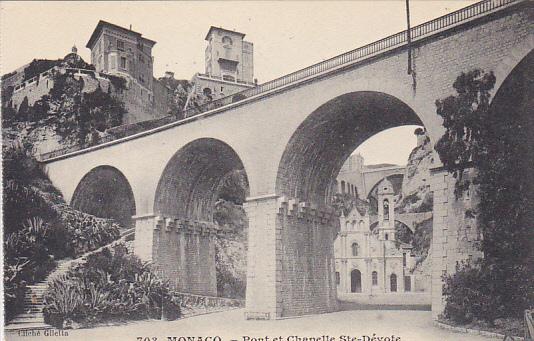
{"points": [[385, 187]]}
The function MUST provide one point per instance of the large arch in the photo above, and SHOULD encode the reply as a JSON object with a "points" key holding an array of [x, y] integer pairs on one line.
{"points": [[106, 193], [188, 186], [306, 174], [184, 248], [320, 145]]}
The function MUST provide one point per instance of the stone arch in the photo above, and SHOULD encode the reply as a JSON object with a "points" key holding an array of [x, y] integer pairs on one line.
{"points": [[184, 205], [188, 186], [320, 145], [355, 281], [517, 55], [106, 193]]}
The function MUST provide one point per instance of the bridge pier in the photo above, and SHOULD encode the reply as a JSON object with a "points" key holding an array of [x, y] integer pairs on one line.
{"points": [[182, 251], [291, 267]]}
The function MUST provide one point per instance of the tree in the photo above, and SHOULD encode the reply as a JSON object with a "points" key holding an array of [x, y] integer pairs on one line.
{"points": [[496, 144]]}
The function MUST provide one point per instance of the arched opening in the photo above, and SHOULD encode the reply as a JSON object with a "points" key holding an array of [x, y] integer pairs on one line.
{"points": [[355, 249], [374, 278], [188, 187], [355, 281], [385, 205], [308, 168], [393, 283], [322, 143], [106, 193], [202, 189]]}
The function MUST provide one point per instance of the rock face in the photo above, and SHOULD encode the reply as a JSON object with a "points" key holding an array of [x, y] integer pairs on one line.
{"points": [[415, 195]]}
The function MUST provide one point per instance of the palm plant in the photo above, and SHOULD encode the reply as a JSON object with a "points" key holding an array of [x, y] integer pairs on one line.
{"points": [[64, 296]]}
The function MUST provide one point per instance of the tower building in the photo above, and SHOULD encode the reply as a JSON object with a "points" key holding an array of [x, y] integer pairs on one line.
{"points": [[123, 52], [229, 65]]}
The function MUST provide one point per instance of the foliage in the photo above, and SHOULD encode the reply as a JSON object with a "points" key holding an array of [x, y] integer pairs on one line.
{"points": [[111, 285], [119, 83], [7, 94], [475, 292], [495, 141], [179, 91], [36, 232], [234, 187], [464, 117], [80, 115], [38, 66], [344, 203], [8, 75]]}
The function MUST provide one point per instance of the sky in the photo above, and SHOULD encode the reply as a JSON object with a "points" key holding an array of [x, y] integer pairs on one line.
{"points": [[287, 35]]}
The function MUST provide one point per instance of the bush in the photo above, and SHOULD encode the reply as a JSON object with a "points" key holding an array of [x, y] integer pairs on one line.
{"points": [[475, 292], [111, 285], [38, 227]]}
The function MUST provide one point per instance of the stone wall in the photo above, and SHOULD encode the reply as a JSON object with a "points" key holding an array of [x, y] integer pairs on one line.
{"points": [[183, 252], [291, 266], [456, 237]]}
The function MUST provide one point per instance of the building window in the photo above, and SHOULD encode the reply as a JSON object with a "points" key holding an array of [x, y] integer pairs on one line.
{"points": [[404, 259], [407, 283], [229, 78], [355, 248], [386, 209], [362, 225], [338, 278], [227, 41], [342, 187], [393, 283], [387, 236], [374, 278], [120, 45], [123, 62]]}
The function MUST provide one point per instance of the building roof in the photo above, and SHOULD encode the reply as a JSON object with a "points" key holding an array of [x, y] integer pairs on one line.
{"points": [[223, 30], [385, 187], [100, 26]]}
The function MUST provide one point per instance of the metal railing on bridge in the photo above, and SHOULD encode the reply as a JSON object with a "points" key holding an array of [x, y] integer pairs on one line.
{"points": [[345, 59]]}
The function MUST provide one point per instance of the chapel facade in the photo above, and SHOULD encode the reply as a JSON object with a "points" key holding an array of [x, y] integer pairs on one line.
{"points": [[371, 261]]}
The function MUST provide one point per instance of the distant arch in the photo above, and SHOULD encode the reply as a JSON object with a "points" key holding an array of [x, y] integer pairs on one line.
{"points": [[106, 193]]}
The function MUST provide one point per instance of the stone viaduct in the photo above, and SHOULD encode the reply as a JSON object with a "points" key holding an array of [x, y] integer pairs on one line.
{"points": [[291, 136]]}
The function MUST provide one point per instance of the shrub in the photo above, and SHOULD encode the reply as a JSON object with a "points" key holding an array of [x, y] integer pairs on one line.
{"points": [[111, 285]]}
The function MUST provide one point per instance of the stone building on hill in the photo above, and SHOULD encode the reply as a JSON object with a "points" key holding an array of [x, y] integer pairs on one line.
{"points": [[115, 52]]}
